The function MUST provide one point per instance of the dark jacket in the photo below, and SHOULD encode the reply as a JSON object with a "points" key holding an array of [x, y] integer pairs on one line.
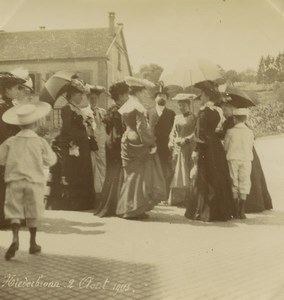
{"points": [[162, 128], [6, 130]]}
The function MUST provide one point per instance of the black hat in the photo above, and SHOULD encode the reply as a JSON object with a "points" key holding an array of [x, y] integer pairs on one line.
{"points": [[9, 78], [210, 88], [118, 88], [162, 90]]}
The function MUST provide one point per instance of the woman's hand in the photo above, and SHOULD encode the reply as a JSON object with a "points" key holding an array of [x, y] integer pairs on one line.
{"points": [[64, 181], [153, 150], [193, 172]]}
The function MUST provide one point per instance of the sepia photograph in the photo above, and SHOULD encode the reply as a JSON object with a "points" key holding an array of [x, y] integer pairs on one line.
{"points": [[141, 149]]}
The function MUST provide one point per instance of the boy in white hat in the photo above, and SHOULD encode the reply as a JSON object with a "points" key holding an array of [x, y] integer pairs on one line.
{"points": [[238, 145], [24, 157]]}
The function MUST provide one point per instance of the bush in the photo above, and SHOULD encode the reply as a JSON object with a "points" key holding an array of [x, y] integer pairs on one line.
{"points": [[267, 119], [279, 91]]}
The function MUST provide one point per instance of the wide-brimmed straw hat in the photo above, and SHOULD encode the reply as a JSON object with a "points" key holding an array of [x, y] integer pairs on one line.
{"points": [[138, 82], [25, 114], [184, 97]]}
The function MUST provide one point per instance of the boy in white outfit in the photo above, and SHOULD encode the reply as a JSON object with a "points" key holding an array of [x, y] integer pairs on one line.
{"points": [[238, 145], [24, 157]]}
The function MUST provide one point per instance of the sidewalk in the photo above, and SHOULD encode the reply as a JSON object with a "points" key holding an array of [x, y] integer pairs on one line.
{"points": [[163, 257]]}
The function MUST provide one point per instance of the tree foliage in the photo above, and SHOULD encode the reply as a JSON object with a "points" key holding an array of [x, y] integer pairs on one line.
{"points": [[151, 72], [271, 69]]}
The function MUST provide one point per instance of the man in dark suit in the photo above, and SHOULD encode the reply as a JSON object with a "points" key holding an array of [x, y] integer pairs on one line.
{"points": [[162, 119]]}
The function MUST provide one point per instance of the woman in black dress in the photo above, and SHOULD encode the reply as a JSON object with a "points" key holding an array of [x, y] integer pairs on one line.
{"points": [[76, 189], [211, 197], [9, 91], [115, 129], [259, 198]]}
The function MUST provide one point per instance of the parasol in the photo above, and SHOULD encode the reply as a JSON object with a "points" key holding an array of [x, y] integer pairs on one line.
{"points": [[55, 86], [238, 98], [187, 73]]}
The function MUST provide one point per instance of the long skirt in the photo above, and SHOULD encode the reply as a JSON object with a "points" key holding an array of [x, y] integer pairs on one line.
{"points": [[211, 196], [79, 194], [259, 198], [110, 193], [181, 182], [143, 182]]}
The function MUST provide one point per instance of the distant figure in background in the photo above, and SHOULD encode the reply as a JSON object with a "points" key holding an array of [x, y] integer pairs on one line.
{"points": [[143, 182], [182, 145], [115, 128], [9, 84], [99, 156], [24, 172], [259, 198], [162, 119]]}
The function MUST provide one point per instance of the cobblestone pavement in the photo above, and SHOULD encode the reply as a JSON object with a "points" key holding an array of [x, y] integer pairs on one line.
{"points": [[163, 257]]}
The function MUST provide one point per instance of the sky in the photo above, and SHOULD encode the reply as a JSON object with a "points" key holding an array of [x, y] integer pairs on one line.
{"points": [[231, 33]]}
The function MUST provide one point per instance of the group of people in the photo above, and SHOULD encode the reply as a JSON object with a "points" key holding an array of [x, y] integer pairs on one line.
{"points": [[124, 161]]}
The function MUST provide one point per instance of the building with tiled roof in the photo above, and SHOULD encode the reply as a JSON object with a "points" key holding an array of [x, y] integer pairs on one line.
{"points": [[99, 55]]}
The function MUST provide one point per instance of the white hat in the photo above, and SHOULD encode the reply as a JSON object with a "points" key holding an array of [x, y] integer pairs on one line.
{"points": [[24, 74], [183, 97], [241, 112], [133, 81], [25, 114]]}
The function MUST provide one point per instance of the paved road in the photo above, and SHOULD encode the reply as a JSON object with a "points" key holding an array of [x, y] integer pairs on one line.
{"points": [[164, 257]]}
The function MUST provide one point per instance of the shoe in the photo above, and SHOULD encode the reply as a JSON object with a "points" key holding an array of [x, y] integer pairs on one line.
{"points": [[236, 213], [35, 249], [12, 250], [242, 215], [139, 217]]}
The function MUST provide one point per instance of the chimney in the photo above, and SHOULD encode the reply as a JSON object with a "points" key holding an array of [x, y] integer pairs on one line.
{"points": [[42, 27], [111, 23]]}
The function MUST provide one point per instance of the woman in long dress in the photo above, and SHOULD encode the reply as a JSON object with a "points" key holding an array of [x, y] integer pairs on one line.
{"points": [[182, 145], [259, 198], [114, 128], [211, 197], [98, 156], [9, 91], [143, 182], [76, 191]]}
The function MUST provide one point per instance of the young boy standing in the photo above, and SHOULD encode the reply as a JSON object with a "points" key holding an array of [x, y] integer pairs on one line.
{"points": [[238, 145], [24, 157]]}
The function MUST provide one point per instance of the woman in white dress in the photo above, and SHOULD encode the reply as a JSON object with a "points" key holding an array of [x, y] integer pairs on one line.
{"points": [[182, 145]]}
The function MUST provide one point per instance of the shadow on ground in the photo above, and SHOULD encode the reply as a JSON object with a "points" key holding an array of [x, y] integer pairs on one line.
{"points": [[77, 277], [66, 226], [167, 214]]}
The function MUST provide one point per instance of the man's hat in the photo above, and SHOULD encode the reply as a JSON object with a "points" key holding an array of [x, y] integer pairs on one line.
{"points": [[162, 90], [25, 114]]}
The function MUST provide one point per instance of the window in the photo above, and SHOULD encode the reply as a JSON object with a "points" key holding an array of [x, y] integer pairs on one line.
{"points": [[118, 61]]}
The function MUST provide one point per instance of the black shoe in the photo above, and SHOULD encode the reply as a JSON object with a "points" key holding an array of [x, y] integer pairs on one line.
{"points": [[12, 250], [35, 249]]}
